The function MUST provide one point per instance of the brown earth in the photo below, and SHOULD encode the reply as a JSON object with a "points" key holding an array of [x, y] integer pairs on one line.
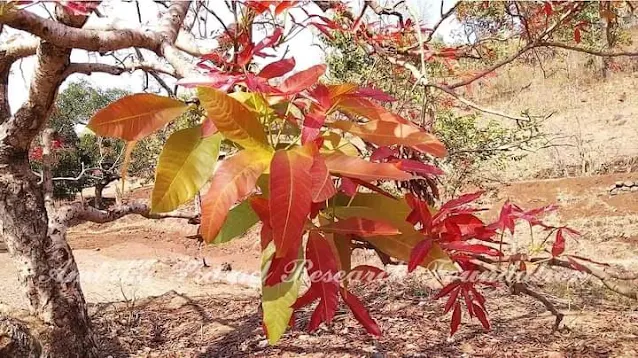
{"points": [[215, 319]]}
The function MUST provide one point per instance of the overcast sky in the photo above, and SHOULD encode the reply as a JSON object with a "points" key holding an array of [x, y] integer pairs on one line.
{"points": [[301, 47]]}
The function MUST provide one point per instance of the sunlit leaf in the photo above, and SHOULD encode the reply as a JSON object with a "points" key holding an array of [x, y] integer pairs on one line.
{"points": [[303, 79], [134, 117], [390, 133], [234, 178], [355, 167], [185, 164], [290, 197], [277, 300], [232, 118]]}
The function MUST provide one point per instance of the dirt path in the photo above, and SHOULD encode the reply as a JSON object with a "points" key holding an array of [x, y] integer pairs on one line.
{"points": [[152, 296]]}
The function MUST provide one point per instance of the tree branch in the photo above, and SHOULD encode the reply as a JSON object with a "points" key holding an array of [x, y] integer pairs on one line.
{"points": [[70, 37], [84, 212], [523, 288], [589, 51], [88, 68]]}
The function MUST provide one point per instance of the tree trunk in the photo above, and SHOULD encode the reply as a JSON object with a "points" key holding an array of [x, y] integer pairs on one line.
{"points": [[46, 267], [99, 187]]}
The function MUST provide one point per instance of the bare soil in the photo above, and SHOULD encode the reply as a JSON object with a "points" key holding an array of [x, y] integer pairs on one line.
{"points": [[151, 294]]}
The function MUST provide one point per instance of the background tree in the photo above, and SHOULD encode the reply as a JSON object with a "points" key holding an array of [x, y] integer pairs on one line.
{"points": [[283, 128]]}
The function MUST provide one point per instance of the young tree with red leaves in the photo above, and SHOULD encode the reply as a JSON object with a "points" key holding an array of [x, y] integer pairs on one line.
{"points": [[302, 149]]}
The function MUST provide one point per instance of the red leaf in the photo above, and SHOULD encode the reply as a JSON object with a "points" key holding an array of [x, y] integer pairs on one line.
{"points": [[361, 227], [277, 69], [559, 244], [290, 197], [419, 253], [446, 290], [481, 315], [366, 273], [322, 272], [309, 297], [348, 186], [260, 207], [360, 313], [383, 153], [302, 80], [281, 267], [322, 95], [415, 166], [461, 200], [312, 124], [322, 186], [451, 300], [456, 319], [548, 8], [420, 211]]}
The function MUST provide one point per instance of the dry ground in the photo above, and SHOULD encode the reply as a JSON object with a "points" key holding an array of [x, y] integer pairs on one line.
{"points": [[153, 297]]}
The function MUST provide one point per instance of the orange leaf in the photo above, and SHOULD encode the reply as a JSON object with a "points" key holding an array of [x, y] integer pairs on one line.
{"points": [[233, 180], [322, 186], [290, 197], [354, 167], [134, 117], [390, 133], [363, 107], [361, 227], [342, 89], [302, 80]]}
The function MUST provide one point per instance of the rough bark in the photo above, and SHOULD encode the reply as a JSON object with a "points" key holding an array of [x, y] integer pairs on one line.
{"points": [[47, 269], [31, 227]]}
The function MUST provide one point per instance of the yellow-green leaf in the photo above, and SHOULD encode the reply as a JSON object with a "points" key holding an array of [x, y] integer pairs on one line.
{"points": [[378, 207], [134, 117], [234, 120], [240, 219], [277, 300], [187, 161]]}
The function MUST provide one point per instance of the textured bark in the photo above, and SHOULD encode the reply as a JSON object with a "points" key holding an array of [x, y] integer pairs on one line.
{"points": [[46, 267], [31, 227]]}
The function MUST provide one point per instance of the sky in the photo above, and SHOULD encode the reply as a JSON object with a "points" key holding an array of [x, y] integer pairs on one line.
{"points": [[302, 47]]}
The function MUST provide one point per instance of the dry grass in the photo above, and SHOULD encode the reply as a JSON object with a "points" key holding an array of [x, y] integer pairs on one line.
{"points": [[591, 116]]}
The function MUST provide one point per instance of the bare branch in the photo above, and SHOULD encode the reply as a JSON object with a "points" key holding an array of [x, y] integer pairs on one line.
{"points": [[84, 212], [88, 68], [473, 105], [523, 288], [588, 50]]}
